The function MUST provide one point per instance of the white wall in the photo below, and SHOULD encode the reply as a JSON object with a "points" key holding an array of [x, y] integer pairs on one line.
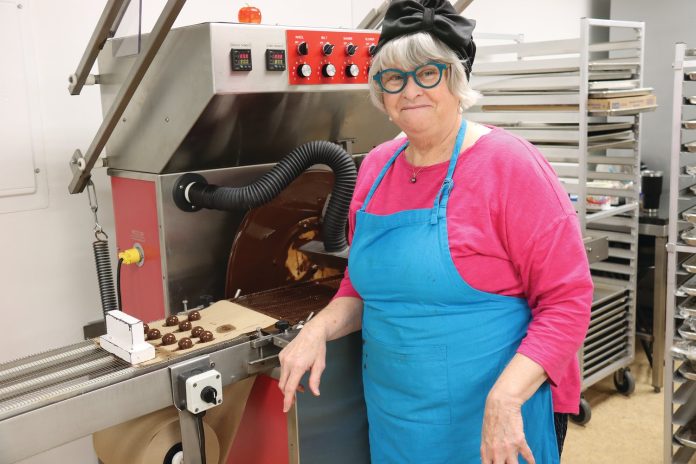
{"points": [[48, 287], [666, 23]]}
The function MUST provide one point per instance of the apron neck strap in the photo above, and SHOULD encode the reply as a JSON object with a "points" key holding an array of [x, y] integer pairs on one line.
{"points": [[381, 175], [443, 195]]}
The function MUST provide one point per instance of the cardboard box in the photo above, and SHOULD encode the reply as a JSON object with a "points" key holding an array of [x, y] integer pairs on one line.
{"points": [[622, 103]]}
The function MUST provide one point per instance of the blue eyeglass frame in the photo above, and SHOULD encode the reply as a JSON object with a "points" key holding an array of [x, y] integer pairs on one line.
{"points": [[405, 74]]}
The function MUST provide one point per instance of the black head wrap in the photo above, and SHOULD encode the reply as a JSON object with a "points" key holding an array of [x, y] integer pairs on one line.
{"points": [[435, 17]]}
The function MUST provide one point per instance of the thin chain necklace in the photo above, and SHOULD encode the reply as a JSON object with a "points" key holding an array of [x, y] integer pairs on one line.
{"points": [[414, 174]]}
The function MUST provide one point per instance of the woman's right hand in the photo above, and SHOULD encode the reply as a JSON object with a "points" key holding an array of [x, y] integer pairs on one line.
{"points": [[306, 352]]}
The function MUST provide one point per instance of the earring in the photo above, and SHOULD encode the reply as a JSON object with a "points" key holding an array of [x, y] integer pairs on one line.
{"points": [[460, 109], [390, 118]]}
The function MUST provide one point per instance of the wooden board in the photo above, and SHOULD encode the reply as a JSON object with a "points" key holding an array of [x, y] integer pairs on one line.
{"points": [[226, 320]]}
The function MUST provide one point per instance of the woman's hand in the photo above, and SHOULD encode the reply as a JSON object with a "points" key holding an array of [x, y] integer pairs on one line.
{"points": [[502, 437], [307, 351]]}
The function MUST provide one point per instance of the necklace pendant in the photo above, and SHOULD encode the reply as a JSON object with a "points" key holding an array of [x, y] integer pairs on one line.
{"points": [[413, 179]]}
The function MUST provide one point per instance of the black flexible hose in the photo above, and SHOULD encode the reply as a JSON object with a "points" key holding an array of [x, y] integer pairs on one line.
{"points": [[118, 283], [273, 182]]}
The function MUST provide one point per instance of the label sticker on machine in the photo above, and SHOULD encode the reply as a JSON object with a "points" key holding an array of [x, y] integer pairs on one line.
{"points": [[240, 58]]}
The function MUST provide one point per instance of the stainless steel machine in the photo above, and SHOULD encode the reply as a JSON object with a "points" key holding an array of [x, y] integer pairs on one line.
{"points": [[223, 102]]}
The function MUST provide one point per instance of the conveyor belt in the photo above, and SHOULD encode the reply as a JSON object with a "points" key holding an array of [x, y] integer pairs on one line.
{"points": [[44, 378]]}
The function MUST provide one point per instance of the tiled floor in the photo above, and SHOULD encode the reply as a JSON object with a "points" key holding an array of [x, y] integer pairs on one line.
{"points": [[622, 429]]}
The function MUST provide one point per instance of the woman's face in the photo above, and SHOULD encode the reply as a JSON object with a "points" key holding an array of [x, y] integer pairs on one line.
{"points": [[417, 110]]}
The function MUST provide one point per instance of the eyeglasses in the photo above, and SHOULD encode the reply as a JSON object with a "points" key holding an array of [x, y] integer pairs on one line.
{"points": [[426, 76]]}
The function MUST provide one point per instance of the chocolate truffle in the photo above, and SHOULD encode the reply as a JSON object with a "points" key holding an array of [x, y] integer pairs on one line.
{"points": [[168, 339], [194, 316], [172, 321], [185, 343], [206, 336], [197, 331], [146, 328], [184, 326], [153, 334]]}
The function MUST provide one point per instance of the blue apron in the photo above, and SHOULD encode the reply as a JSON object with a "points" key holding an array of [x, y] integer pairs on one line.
{"points": [[432, 345]]}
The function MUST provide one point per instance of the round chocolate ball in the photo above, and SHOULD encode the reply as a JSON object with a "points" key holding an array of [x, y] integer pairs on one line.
{"points": [[206, 336], [194, 316], [146, 328], [197, 331], [172, 321], [185, 343], [168, 339], [153, 334], [184, 326]]}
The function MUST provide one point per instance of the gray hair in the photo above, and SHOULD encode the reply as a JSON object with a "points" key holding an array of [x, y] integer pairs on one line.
{"points": [[410, 51]]}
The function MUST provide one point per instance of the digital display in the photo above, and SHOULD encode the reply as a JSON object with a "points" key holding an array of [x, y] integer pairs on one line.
{"points": [[240, 59], [275, 60]]}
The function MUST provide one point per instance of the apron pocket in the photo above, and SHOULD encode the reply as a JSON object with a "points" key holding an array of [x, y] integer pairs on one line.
{"points": [[408, 382]]}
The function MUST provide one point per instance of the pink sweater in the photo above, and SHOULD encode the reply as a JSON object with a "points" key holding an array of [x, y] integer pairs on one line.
{"points": [[513, 231]]}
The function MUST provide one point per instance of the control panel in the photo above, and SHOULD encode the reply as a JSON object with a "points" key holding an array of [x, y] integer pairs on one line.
{"points": [[329, 57]]}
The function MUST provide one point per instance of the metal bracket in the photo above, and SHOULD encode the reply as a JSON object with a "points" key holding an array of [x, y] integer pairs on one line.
{"points": [[106, 27], [268, 347], [139, 68]]}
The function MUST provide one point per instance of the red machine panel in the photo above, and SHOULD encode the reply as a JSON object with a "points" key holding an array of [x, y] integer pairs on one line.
{"points": [[262, 436], [322, 57], [135, 214]]}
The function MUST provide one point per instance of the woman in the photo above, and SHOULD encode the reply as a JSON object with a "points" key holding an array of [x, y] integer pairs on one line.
{"points": [[467, 273]]}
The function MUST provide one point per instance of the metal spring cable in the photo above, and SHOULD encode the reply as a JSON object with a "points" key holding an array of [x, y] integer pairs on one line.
{"points": [[102, 259]]}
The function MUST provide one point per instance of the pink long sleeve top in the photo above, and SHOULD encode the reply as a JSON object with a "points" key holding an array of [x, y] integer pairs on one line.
{"points": [[513, 231]]}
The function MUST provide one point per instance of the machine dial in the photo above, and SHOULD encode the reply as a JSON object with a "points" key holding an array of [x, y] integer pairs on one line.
{"points": [[372, 49], [352, 70], [304, 70], [351, 49], [328, 70], [303, 48], [327, 49]]}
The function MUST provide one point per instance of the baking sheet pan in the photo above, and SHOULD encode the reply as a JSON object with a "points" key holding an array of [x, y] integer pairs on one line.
{"points": [[620, 93]]}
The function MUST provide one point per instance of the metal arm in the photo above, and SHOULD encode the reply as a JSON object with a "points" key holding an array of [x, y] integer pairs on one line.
{"points": [[82, 165], [106, 28]]}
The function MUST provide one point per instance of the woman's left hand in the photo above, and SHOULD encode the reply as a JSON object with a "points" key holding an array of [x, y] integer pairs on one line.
{"points": [[502, 436]]}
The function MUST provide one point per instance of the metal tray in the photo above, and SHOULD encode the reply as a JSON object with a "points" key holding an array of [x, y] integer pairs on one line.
{"points": [[684, 350], [690, 265], [689, 238], [620, 93], [690, 100], [687, 370], [686, 436], [688, 307], [690, 214], [622, 112], [690, 76], [689, 124], [688, 288], [686, 332]]}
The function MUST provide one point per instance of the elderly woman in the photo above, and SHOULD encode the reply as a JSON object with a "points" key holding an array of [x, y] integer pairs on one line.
{"points": [[467, 272]]}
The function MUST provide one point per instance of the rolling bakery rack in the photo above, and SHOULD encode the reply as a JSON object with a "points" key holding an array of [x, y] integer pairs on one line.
{"points": [[563, 96], [680, 341]]}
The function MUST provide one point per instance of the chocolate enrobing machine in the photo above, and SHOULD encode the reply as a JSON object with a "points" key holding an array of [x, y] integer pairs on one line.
{"points": [[199, 107]]}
